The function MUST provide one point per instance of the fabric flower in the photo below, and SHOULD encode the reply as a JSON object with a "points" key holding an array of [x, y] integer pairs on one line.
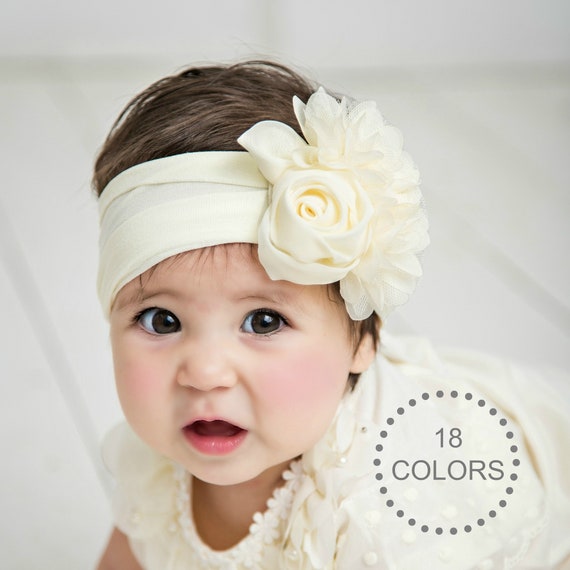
{"points": [[344, 203], [267, 525]]}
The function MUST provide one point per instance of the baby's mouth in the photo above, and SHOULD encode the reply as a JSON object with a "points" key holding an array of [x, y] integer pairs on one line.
{"points": [[214, 428], [215, 437]]}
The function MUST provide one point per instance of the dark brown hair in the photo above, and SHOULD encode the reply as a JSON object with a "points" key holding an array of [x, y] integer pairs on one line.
{"points": [[207, 108], [199, 109]]}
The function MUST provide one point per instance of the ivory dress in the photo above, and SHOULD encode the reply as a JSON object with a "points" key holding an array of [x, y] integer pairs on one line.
{"points": [[439, 460]]}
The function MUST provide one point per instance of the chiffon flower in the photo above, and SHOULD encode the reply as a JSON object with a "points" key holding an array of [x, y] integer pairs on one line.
{"points": [[344, 203]]}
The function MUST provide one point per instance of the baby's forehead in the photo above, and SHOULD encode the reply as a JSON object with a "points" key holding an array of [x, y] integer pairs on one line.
{"points": [[230, 270], [228, 251], [220, 256], [196, 261]]}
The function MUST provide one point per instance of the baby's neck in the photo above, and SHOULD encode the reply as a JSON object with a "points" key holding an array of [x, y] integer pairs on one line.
{"points": [[223, 514]]}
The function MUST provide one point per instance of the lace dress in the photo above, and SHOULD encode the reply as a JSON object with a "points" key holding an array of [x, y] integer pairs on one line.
{"points": [[341, 507]]}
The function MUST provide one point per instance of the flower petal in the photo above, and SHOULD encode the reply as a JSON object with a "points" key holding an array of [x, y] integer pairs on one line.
{"points": [[271, 144], [322, 121]]}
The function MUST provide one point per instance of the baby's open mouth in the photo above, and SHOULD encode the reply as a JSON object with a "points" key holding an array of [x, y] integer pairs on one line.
{"points": [[215, 437], [219, 428]]}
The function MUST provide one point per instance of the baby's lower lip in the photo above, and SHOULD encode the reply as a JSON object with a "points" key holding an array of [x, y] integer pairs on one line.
{"points": [[216, 437]]}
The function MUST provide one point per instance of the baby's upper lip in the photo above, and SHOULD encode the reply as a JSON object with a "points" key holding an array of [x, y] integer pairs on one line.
{"points": [[211, 419], [215, 428]]}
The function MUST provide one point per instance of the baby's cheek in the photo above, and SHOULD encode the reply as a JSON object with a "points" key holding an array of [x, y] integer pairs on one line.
{"points": [[136, 384], [307, 380]]}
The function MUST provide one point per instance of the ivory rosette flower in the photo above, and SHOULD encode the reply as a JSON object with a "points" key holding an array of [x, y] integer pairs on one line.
{"points": [[344, 204]]}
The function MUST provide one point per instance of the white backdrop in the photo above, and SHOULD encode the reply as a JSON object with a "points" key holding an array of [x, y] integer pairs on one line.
{"points": [[481, 91], [320, 33]]}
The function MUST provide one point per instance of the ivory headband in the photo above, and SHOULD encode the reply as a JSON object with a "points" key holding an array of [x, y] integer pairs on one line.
{"points": [[170, 205], [342, 204]]}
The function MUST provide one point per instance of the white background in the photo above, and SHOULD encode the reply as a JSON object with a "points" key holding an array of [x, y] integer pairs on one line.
{"points": [[480, 90]]}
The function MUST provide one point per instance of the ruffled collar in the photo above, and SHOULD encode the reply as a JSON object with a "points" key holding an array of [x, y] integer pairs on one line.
{"points": [[266, 529]]}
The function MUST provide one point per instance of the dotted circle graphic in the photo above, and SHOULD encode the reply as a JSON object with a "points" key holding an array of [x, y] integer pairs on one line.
{"points": [[453, 530]]}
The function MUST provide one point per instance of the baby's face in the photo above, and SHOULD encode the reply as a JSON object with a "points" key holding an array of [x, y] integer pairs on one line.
{"points": [[224, 371]]}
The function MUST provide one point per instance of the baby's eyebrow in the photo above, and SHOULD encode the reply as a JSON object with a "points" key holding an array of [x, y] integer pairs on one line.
{"points": [[137, 296], [124, 301], [282, 298], [273, 297]]}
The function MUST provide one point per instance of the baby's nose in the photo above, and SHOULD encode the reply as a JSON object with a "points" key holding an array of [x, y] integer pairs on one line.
{"points": [[206, 366]]}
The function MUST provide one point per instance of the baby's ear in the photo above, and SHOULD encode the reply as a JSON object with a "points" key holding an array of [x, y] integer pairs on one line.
{"points": [[364, 354]]}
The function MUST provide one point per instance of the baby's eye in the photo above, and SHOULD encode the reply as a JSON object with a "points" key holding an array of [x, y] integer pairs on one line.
{"points": [[158, 321], [263, 322]]}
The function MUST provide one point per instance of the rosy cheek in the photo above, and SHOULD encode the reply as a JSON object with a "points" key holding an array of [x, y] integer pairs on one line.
{"points": [[136, 384], [304, 380], [290, 386]]}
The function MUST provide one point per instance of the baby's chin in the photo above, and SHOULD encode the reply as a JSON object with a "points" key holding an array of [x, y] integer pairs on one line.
{"points": [[247, 475]]}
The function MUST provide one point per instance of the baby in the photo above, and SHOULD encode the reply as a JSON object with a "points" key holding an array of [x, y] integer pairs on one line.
{"points": [[255, 233]]}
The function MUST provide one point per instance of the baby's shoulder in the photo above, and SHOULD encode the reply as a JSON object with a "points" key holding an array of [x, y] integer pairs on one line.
{"points": [[510, 383], [144, 483]]}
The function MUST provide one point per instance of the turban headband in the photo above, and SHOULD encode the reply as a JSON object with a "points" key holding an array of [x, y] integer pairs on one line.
{"points": [[341, 204]]}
